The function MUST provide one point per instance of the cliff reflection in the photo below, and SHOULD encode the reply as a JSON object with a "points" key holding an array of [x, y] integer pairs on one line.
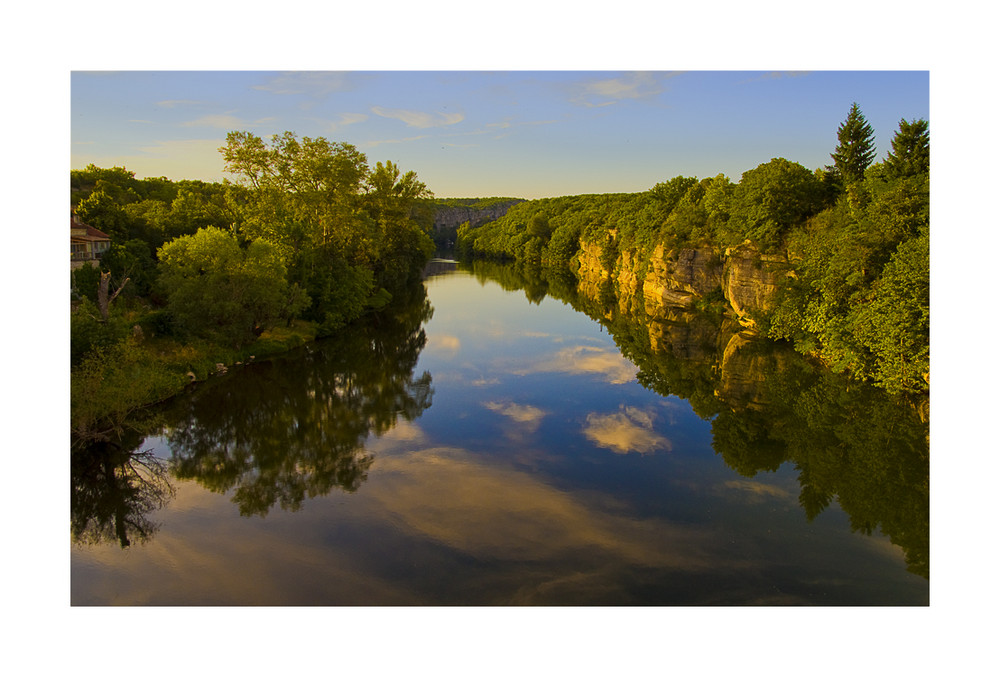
{"points": [[281, 431], [768, 406], [114, 489]]}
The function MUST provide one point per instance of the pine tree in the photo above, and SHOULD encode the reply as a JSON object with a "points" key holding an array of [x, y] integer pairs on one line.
{"points": [[911, 150], [856, 147]]}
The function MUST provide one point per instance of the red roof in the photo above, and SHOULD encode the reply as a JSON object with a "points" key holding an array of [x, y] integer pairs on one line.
{"points": [[92, 233]]}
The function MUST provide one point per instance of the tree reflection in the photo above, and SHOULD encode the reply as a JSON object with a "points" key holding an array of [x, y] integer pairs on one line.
{"points": [[278, 432], [115, 487], [769, 406]]}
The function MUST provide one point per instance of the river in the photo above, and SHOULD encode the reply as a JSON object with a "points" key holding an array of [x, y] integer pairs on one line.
{"points": [[502, 441]]}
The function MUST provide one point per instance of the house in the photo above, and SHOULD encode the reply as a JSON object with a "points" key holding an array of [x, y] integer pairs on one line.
{"points": [[86, 242]]}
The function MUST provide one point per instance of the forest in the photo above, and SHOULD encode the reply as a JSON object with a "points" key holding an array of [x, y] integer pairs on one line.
{"points": [[855, 233], [309, 237], [306, 240]]}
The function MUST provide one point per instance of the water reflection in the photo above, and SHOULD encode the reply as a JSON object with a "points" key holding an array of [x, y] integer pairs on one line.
{"points": [[768, 406], [628, 430], [278, 432], [115, 488]]}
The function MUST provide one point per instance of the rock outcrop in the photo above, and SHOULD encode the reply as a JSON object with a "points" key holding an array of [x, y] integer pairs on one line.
{"points": [[454, 216], [678, 278], [750, 281]]}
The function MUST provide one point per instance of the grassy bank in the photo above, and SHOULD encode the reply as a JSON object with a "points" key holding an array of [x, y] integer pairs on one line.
{"points": [[113, 383]]}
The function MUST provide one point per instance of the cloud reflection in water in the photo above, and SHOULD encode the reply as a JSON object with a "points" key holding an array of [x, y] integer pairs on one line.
{"points": [[630, 429]]}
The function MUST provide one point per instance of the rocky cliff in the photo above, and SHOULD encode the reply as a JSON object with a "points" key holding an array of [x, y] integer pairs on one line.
{"points": [[451, 217], [677, 278]]}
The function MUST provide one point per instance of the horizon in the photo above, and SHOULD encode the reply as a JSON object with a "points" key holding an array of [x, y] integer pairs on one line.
{"points": [[477, 134]]}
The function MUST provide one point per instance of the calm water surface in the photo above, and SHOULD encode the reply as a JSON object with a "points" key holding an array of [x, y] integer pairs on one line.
{"points": [[491, 445]]}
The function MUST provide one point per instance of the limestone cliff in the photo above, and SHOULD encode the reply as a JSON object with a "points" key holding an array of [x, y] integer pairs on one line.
{"points": [[677, 278], [750, 281], [451, 217]]}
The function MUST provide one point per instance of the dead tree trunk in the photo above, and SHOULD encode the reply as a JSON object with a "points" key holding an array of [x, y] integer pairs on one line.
{"points": [[103, 300]]}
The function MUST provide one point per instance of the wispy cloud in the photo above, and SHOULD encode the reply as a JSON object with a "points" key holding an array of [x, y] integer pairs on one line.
{"points": [[315, 83], [348, 119], [372, 144], [174, 103], [444, 343], [187, 158], [607, 363], [755, 492], [525, 414], [219, 121], [419, 119], [775, 75], [608, 91]]}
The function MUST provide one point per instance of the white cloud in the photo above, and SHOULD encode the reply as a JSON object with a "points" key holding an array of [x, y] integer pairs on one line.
{"points": [[443, 343], [630, 429], [606, 362], [521, 413], [607, 91], [419, 119]]}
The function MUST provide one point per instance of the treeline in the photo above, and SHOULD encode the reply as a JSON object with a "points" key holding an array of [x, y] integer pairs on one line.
{"points": [[307, 239], [856, 232]]}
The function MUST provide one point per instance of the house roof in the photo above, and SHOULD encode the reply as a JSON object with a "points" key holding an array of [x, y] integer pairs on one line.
{"points": [[85, 232]]}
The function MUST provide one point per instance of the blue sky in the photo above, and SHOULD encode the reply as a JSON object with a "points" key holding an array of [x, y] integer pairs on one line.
{"points": [[520, 133]]}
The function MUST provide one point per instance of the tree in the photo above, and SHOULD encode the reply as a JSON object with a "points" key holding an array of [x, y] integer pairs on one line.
{"points": [[856, 146], [911, 151], [772, 198], [894, 321], [101, 211], [218, 289]]}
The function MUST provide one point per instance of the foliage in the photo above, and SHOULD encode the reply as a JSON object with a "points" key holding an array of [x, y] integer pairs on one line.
{"points": [[770, 200], [218, 289], [911, 153], [111, 383], [856, 146], [344, 230], [893, 322]]}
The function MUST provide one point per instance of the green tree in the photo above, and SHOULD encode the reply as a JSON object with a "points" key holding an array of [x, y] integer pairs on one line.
{"points": [[856, 146], [101, 211], [398, 246], [218, 289], [911, 150], [894, 321], [771, 199]]}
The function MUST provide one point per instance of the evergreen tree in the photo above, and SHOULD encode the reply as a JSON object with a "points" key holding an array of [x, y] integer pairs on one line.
{"points": [[856, 147], [911, 150]]}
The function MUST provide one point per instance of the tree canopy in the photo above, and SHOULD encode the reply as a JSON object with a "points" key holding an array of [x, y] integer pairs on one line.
{"points": [[856, 146]]}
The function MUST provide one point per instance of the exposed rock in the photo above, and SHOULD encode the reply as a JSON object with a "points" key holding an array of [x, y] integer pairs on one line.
{"points": [[453, 217], [750, 280], [744, 371]]}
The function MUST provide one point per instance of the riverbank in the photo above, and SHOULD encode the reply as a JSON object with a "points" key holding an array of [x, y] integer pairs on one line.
{"points": [[113, 384]]}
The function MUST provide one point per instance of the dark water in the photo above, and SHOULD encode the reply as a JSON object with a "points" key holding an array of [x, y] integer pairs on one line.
{"points": [[492, 444]]}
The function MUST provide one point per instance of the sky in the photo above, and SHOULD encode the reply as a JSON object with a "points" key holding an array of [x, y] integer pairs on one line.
{"points": [[515, 133]]}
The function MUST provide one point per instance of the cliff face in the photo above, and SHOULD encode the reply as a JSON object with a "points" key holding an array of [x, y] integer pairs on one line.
{"points": [[453, 217], [677, 278], [750, 281]]}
